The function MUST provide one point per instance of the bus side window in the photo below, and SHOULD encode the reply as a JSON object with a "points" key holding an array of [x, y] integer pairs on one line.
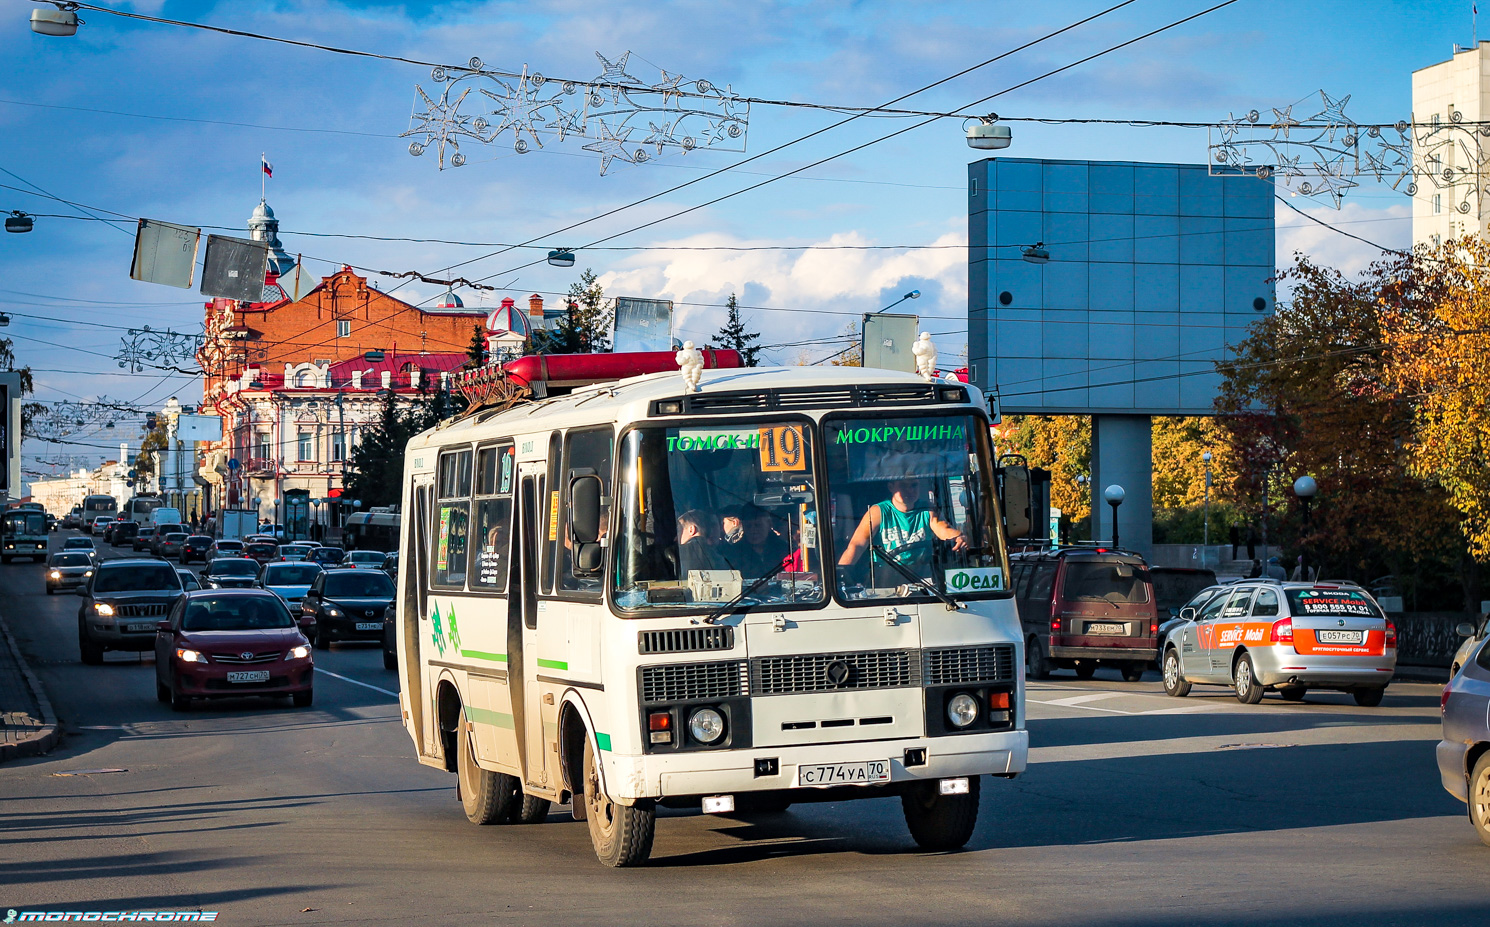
{"points": [[496, 472], [551, 512], [452, 519], [585, 453]]}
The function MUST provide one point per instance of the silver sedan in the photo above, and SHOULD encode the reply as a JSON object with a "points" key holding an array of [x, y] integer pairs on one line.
{"points": [[1464, 752]]}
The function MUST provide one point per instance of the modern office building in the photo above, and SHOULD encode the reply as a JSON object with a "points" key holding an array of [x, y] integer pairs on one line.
{"points": [[1449, 101]]}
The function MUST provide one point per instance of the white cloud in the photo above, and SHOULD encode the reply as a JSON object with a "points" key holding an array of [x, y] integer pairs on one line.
{"points": [[1389, 226]]}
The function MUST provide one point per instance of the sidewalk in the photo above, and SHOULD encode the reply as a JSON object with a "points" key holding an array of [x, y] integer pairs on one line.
{"points": [[28, 725]]}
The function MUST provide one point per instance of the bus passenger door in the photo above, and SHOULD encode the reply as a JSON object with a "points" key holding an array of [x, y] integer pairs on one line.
{"points": [[412, 619], [522, 627]]}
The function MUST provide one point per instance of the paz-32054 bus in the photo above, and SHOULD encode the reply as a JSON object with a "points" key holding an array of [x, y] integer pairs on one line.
{"points": [[785, 586]]}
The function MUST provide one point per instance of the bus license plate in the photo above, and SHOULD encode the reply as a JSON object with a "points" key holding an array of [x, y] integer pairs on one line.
{"points": [[250, 676], [827, 774], [1105, 627], [369, 625], [1338, 637]]}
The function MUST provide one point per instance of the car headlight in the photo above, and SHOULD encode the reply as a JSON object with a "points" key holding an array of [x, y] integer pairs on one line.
{"points": [[87, 574], [56, 575], [189, 656], [962, 710], [298, 653], [104, 609], [333, 612], [706, 725]]}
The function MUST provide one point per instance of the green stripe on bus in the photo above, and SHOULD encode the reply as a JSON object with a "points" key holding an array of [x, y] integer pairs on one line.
{"points": [[487, 716], [482, 655], [602, 741], [553, 664]]}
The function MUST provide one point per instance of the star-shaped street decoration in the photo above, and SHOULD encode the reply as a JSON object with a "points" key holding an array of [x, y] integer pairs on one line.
{"points": [[440, 124], [517, 109], [614, 74], [611, 144], [1288, 167], [668, 86], [1333, 114], [1283, 120], [1332, 180]]}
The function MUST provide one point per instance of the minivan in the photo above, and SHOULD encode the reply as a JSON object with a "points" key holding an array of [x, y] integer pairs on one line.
{"points": [[1081, 607]]}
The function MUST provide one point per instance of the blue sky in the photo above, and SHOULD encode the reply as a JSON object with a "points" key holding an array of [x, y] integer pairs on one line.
{"points": [[67, 288]]}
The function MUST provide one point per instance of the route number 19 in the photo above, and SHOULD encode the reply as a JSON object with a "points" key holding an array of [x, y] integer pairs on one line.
{"points": [[781, 448]]}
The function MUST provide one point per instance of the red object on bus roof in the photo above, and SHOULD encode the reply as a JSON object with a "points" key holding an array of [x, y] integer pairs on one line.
{"points": [[581, 369]]}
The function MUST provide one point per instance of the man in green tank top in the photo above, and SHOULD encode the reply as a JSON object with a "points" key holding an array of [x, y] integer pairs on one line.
{"points": [[903, 526]]}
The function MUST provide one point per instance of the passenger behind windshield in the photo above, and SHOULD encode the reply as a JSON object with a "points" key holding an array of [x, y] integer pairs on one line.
{"points": [[137, 579], [239, 613], [706, 512]]}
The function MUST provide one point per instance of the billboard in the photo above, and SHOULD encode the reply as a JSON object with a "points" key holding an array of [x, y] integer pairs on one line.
{"points": [[191, 428], [1112, 287], [888, 339], [234, 268], [165, 253], [643, 325]]}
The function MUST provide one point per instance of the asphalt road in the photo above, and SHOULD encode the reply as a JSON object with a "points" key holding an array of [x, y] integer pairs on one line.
{"points": [[1136, 809]]}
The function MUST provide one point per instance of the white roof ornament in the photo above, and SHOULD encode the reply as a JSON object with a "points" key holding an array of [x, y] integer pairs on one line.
{"points": [[691, 364], [925, 354]]}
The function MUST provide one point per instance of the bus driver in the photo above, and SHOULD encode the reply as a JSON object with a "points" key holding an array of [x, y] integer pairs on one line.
{"points": [[902, 527]]}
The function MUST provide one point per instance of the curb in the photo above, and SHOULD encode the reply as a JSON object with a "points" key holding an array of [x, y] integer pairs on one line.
{"points": [[49, 735], [1419, 673]]}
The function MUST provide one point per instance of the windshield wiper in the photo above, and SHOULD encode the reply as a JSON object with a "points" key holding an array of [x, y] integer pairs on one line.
{"points": [[729, 607], [903, 570]]}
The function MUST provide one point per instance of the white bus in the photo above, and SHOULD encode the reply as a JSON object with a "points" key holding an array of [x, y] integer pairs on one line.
{"points": [[139, 507], [784, 587]]}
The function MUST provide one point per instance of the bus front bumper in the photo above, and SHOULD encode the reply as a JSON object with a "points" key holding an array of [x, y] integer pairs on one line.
{"points": [[729, 772]]}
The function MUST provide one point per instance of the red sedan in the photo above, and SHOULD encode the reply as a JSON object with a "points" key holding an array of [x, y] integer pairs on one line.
{"points": [[226, 643]]}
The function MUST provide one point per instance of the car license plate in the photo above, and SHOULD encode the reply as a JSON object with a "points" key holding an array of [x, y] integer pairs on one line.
{"points": [[134, 628], [1106, 627], [249, 676], [369, 625], [826, 774], [1339, 637]]}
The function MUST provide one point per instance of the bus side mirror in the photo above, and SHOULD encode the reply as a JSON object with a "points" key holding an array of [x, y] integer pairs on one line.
{"points": [[584, 509]]}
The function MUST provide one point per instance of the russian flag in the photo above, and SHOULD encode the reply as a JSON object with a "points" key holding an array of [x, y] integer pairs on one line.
{"points": [[268, 168]]}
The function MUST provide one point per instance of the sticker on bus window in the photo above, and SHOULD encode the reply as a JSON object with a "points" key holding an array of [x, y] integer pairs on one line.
{"points": [[782, 449], [504, 486], [713, 439], [553, 515], [975, 579], [442, 556]]}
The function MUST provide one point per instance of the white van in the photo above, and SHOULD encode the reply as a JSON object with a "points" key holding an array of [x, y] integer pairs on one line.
{"points": [[164, 515]]}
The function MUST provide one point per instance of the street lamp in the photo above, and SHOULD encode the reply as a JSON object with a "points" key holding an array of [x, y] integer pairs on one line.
{"points": [[1305, 488], [913, 294], [62, 21], [1114, 495], [1036, 253], [987, 133], [1206, 543]]}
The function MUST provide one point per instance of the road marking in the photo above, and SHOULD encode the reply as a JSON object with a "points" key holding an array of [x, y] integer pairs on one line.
{"points": [[1079, 699], [355, 682]]}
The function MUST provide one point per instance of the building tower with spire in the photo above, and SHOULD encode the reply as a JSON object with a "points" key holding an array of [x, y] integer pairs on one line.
{"points": [[262, 226]]}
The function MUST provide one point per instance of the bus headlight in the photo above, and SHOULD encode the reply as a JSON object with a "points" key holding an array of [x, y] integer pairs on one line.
{"points": [[962, 710], [706, 725]]}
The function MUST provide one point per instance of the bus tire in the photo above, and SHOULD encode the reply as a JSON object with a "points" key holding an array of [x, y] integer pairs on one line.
{"points": [[621, 834], [940, 822], [487, 797], [530, 810], [1035, 664]]}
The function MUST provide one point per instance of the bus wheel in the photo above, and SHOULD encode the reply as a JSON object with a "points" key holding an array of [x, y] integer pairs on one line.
{"points": [[621, 834], [531, 810], [487, 797], [940, 822]]}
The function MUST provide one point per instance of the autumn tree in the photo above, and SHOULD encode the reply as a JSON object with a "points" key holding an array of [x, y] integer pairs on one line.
{"points": [[1061, 444], [585, 326], [734, 336], [853, 356]]}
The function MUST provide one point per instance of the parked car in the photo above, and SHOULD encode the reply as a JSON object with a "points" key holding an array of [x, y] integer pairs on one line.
{"points": [[290, 581], [1286, 636], [1473, 632], [80, 542], [195, 548], [99, 523], [1083, 606], [169, 547], [230, 573], [364, 559], [262, 551], [348, 605], [1175, 586], [68, 569], [297, 550], [143, 538], [189, 580], [122, 532], [227, 644], [225, 547], [1464, 752], [122, 603], [164, 531], [328, 556]]}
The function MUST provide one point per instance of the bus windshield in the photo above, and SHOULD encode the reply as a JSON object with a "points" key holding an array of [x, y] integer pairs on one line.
{"points": [[710, 513], [911, 506], [25, 522]]}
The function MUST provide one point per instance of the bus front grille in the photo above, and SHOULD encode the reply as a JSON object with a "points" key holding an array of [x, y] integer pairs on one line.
{"points": [[686, 640], [966, 665], [684, 682], [827, 672]]}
